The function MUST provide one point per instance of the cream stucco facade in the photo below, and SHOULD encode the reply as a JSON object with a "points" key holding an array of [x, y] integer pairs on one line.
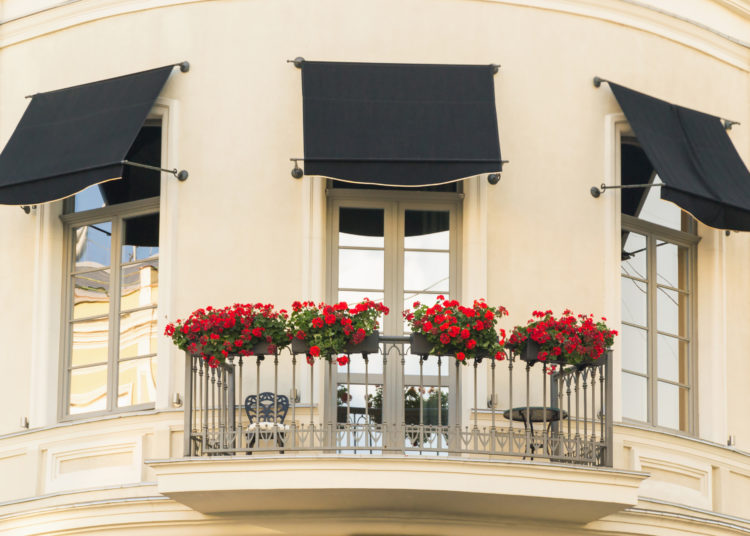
{"points": [[242, 229]]}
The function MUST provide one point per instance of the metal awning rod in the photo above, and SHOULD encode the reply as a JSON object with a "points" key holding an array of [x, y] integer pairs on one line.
{"points": [[596, 192], [299, 60], [181, 175], [728, 123]]}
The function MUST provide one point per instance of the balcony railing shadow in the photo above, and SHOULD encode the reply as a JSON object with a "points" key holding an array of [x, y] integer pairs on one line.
{"points": [[397, 403]]}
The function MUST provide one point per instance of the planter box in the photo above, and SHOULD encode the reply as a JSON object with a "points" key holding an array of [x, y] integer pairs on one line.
{"points": [[419, 344], [261, 349], [370, 345], [532, 350]]}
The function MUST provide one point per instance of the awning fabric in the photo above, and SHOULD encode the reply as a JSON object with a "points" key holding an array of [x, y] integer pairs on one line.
{"points": [[399, 124], [694, 157], [72, 138]]}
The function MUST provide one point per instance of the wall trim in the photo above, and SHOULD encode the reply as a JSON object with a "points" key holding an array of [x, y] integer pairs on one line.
{"points": [[631, 13]]}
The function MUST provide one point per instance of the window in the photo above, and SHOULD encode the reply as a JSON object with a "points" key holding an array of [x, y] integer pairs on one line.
{"points": [[658, 294], [398, 247], [112, 286]]}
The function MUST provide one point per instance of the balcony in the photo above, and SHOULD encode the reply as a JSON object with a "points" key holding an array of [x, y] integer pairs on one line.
{"points": [[395, 403], [395, 432]]}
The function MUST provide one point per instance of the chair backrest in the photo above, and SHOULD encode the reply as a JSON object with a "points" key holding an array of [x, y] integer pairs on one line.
{"points": [[272, 408]]}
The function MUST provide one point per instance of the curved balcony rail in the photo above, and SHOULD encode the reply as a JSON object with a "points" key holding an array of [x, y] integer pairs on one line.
{"points": [[394, 402]]}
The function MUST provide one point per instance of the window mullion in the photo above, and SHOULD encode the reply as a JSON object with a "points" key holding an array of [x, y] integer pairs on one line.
{"points": [[652, 329], [114, 323]]}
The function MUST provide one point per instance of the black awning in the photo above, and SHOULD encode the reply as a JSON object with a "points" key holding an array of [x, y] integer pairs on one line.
{"points": [[399, 124], [72, 138], [693, 155]]}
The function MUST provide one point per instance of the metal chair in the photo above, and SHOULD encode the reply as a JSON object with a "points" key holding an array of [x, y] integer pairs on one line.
{"points": [[266, 414]]}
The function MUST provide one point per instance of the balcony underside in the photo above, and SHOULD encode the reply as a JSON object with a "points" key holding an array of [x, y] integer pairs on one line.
{"points": [[455, 486]]}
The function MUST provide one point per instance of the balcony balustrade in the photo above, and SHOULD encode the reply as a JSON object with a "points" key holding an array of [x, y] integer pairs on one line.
{"points": [[394, 402]]}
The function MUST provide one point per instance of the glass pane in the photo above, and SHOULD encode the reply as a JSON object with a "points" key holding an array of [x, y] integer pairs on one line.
{"points": [[634, 397], [634, 349], [361, 268], [90, 340], [136, 382], [673, 406], [88, 199], [88, 389], [634, 309], [427, 229], [357, 366], [432, 399], [671, 359], [671, 265], [661, 212], [425, 271], [91, 246], [429, 367], [361, 227], [634, 255], [671, 308], [138, 334], [140, 238], [91, 294], [140, 285], [353, 296], [356, 395]]}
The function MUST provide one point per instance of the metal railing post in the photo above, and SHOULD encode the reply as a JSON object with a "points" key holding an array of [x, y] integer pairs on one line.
{"points": [[188, 407], [609, 428]]}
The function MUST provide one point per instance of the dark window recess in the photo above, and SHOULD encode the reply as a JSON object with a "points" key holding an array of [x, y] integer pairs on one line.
{"points": [[361, 221], [635, 169], [136, 183], [422, 222], [449, 187]]}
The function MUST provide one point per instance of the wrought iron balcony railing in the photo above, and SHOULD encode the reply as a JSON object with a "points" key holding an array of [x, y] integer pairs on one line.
{"points": [[394, 402]]}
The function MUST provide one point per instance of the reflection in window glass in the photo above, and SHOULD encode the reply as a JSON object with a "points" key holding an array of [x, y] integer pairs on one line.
{"points": [[138, 334], [90, 342], [634, 349], [635, 399], [91, 294], [361, 227], [634, 301], [672, 362], [361, 269], [88, 389], [140, 285], [136, 382], [672, 406], [92, 247], [671, 311], [658, 211], [140, 238], [425, 271], [634, 254], [426, 229]]}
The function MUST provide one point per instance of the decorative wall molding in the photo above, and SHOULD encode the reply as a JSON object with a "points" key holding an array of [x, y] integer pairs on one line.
{"points": [[635, 14]]}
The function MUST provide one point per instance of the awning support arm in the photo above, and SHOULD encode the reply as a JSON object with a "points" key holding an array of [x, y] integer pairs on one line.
{"points": [[181, 175], [596, 192], [727, 123]]}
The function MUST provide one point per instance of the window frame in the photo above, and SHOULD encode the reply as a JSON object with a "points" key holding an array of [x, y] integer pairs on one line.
{"points": [[689, 240], [116, 214]]}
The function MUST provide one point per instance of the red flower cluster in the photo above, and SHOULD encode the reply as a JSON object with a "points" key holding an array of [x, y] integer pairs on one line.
{"points": [[327, 329], [216, 334], [570, 338], [458, 330]]}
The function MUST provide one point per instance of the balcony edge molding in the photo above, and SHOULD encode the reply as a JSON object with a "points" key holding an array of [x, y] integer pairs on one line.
{"points": [[467, 487]]}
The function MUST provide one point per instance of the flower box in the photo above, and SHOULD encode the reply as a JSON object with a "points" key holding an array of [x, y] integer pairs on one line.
{"points": [[370, 345], [419, 344]]}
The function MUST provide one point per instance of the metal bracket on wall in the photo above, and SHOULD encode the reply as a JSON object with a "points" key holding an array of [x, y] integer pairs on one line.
{"points": [[596, 192], [181, 175]]}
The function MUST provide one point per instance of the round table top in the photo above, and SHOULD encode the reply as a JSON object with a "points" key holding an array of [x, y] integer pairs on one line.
{"points": [[536, 414]]}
